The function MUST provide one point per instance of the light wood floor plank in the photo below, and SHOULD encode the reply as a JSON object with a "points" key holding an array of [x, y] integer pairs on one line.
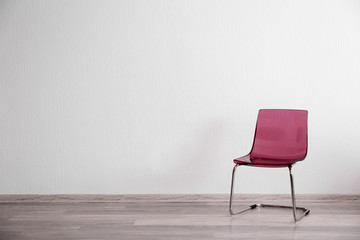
{"points": [[330, 218]]}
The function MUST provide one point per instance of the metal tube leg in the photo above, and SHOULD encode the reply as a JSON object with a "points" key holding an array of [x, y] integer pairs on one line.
{"points": [[232, 189], [232, 195], [292, 193], [306, 211]]}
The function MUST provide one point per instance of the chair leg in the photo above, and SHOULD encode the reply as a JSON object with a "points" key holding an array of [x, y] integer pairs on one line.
{"points": [[231, 195], [306, 211], [293, 207]]}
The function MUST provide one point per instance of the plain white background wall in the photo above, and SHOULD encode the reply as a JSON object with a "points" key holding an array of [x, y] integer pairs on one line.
{"points": [[159, 96]]}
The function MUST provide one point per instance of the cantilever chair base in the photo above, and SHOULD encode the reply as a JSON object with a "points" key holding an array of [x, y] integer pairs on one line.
{"points": [[296, 218]]}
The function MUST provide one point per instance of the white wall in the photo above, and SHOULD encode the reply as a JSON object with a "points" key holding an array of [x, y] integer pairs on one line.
{"points": [[159, 96]]}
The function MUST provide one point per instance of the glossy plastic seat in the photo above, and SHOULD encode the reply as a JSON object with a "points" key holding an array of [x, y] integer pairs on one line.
{"points": [[280, 141]]}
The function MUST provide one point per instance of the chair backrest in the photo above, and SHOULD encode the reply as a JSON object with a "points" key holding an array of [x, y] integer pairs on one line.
{"points": [[281, 134]]}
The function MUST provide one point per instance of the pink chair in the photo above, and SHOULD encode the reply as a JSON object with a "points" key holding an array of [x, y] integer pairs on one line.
{"points": [[280, 141]]}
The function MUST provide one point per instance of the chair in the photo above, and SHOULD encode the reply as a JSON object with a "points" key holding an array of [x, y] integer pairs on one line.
{"points": [[280, 141]]}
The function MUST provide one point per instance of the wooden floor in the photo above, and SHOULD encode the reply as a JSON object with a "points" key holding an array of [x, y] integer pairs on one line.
{"points": [[175, 217]]}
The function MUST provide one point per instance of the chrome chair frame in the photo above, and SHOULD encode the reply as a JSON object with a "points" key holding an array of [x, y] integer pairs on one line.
{"points": [[296, 218]]}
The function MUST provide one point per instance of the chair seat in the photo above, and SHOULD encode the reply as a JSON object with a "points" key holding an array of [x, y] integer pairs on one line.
{"points": [[261, 162]]}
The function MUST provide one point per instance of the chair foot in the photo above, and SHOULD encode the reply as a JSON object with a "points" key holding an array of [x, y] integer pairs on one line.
{"points": [[305, 210], [296, 218], [243, 210]]}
